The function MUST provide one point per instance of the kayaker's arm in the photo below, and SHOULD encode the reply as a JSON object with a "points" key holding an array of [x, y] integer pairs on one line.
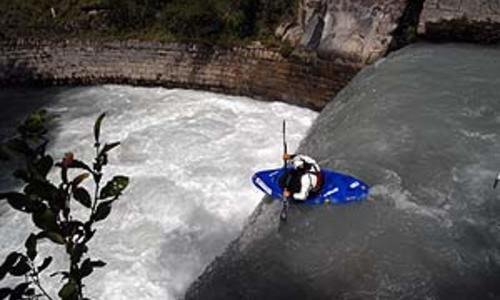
{"points": [[288, 157], [304, 189]]}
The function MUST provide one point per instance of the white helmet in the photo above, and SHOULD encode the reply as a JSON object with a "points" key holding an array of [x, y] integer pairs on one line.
{"points": [[298, 163]]}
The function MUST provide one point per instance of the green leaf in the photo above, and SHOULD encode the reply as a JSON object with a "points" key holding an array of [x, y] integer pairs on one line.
{"points": [[34, 125], [46, 262], [30, 293], [109, 147], [97, 127], [44, 165], [103, 210], [114, 187], [42, 189], [21, 267], [78, 164], [20, 146], [81, 195], [78, 252], [86, 268], [70, 163], [62, 273], [20, 202], [98, 263], [4, 292], [69, 291], [79, 179], [19, 290], [53, 236], [11, 259], [30, 245], [46, 220]]}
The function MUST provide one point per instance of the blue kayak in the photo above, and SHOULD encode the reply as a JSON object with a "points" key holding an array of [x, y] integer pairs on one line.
{"points": [[337, 188]]}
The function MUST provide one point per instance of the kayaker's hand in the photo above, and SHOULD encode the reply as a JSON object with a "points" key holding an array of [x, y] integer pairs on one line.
{"points": [[286, 156], [286, 194]]}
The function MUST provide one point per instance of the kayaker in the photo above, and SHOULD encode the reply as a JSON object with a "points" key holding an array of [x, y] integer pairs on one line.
{"points": [[302, 179]]}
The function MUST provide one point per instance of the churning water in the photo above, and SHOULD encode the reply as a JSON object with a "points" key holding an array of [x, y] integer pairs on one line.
{"points": [[190, 156]]}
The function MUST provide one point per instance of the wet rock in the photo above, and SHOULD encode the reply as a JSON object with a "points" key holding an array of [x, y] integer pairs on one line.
{"points": [[312, 35], [422, 130], [358, 30]]}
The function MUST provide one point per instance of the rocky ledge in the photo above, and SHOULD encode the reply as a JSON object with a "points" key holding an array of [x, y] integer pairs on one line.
{"points": [[252, 71], [461, 20], [333, 40]]}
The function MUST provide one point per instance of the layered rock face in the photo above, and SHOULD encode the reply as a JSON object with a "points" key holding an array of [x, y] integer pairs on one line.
{"points": [[461, 20], [256, 72], [422, 130], [359, 29]]}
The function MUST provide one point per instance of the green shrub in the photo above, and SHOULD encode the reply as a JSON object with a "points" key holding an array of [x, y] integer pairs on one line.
{"points": [[193, 19], [211, 21], [50, 207]]}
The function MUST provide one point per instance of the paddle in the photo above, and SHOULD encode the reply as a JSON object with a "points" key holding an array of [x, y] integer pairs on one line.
{"points": [[284, 210], [497, 179]]}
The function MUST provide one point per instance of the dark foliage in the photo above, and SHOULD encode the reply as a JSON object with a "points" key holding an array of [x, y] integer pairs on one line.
{"points": [[212, 21], [50, 205]]}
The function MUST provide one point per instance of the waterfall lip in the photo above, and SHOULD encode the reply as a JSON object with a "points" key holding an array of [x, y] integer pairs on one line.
{"points": [[421, 129]]}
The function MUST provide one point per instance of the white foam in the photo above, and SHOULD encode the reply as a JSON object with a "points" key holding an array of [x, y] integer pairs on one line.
{"points": [[190, 156]]}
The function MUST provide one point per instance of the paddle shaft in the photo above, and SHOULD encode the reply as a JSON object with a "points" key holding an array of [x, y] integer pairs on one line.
{"points": [[284, 210]]}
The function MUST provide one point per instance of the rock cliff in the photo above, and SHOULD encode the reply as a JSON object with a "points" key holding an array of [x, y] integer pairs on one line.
{"points": [[251, 71], [365, 30], [361, 30], [340, 38]]}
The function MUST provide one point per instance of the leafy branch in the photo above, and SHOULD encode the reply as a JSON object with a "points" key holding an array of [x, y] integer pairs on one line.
{"points": [[50, 207]]}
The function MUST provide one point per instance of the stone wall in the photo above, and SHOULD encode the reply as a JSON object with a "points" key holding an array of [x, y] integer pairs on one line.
{"points": [[255, 72], [461, 20]]}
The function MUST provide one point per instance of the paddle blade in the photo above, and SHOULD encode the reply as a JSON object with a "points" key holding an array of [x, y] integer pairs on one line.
{"points": [[283, 215], [497, 179], [284, 210]]}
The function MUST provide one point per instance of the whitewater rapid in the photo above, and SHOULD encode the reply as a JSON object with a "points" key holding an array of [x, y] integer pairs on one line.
{"points": [[190, 156]]}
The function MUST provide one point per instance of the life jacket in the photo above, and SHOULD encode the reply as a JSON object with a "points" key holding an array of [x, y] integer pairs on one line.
{"points": [[312, 169], [319, 182], [292, 177]]}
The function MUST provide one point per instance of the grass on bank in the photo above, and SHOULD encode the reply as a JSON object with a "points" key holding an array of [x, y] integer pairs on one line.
{"points": [[221, 22]]}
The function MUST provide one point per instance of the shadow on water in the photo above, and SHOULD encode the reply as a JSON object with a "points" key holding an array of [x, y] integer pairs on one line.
{"points": [[16, 103]]}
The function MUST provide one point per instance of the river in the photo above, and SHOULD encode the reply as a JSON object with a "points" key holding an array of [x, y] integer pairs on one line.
{"points": [[190, 156]]}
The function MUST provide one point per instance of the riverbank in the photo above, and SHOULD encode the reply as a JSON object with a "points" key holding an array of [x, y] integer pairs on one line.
{"points": [[247, 71]]}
